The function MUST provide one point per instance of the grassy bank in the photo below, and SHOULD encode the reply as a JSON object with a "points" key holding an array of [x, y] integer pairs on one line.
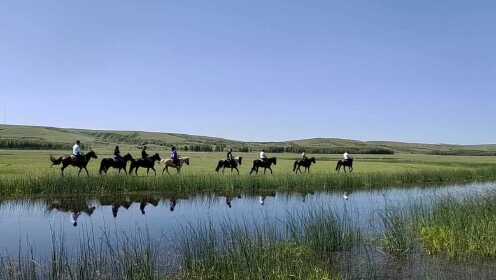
{"points": [[53, 184]]}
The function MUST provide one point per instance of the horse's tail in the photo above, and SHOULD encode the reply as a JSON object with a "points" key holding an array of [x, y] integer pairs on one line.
{"points": [[295, 165], [219, 165], [338, 164], [56, 161]]}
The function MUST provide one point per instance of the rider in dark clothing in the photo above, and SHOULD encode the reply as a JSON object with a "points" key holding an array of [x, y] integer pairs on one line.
{"points": [[229, 156], [174, 156], [117, 153], [144, 154]]}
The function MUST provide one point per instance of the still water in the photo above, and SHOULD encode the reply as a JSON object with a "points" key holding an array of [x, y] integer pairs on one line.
{"points": [[31, 221]]}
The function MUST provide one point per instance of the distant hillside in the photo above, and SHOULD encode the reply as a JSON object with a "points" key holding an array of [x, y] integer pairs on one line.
{"points": [[35, 137]]}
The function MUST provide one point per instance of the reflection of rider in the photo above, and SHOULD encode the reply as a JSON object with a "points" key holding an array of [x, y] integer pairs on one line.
{"points": [[172, 204], [144, 154], [174, 156], [74, 218]]}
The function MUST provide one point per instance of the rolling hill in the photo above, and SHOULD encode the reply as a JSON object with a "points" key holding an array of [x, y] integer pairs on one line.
{"points": [[37, 137]]}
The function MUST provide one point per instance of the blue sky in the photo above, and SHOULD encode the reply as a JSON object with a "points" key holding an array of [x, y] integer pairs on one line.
{"points": [[417, 71]]}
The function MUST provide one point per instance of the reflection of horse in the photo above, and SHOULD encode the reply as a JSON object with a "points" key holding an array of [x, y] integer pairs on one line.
{"points": [[147, 201], [81, 161], [345, 163], [118, 163], [306, 163], [266, 164], [170, 163], [233, 164], [75, 206], [148, 163]]}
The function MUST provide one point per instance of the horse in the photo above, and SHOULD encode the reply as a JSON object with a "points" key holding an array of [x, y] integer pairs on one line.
{"points": [[345, 163], [170, 163], [81, 161], [120, 163], [233, 164], [306, 163], [148, 163], [266, 164]]}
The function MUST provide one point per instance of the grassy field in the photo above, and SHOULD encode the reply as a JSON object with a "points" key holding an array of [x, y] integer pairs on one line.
{"points": [[29, 172]]}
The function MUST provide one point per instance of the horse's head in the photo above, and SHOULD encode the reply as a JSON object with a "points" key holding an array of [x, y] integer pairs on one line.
{"points": [[274, 160], [92, 154], [186, 160], [240, 160], [156, 157], [127, 157], [312, 159]]}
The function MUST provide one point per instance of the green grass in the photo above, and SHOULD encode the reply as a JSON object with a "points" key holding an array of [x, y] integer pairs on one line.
{"points": [[107, 139], [461, 229], [29, 173]]}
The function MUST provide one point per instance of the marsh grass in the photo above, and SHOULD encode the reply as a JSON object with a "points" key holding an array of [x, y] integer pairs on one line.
{"points": [[51, 184], [299, 249], [461, 230]]}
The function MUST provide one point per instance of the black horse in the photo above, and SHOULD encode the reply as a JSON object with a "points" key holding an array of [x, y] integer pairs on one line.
{"points": [[306, 163], [266, 164], [233, 164], [345, 163], [148, 163], [81, 162], [120, 164]]}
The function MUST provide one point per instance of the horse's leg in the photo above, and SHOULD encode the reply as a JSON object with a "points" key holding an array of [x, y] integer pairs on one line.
{"points": [[147, 171], [265, 169], [62, 169], [163, 170], [153, 168], [80, 171], [178, 170], [270, 170], [237, 170], [167, 169], [87, 173]]}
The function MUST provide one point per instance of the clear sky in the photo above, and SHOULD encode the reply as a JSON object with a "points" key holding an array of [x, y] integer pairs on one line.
{"points": [[417, 71]]}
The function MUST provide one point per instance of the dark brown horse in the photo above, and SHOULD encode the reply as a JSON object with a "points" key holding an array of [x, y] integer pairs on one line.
{"points": [[306, 163], [119, 164], [233, 164], [81, 162], [148, 163], [265, 164], [345, 163]]}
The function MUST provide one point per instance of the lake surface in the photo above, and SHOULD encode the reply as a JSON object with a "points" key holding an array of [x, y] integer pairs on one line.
{"points": [[33, 220]]}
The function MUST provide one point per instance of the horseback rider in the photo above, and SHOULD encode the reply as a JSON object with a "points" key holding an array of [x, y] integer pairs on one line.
{"points": [[347, 157], [144, 154], [263, 156], [117, 154], [76, 150], [174, 156], [304, 156], [229, 156]]}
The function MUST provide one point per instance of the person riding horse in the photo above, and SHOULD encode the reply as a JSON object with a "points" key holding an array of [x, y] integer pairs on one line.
{"points": [[76, 150], [303, 156], [117, 154], [229, 156], [144, 154], [263, 156], [347, 157], [174, 156]]}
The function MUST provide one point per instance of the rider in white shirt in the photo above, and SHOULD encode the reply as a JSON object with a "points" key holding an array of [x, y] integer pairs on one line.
{"points": [[347, 156], [76, 149], [303, 155], [263, 156]]}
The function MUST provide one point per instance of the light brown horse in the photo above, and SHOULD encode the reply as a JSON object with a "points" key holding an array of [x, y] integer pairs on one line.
{"points": [[170, 163], [80, 162]]}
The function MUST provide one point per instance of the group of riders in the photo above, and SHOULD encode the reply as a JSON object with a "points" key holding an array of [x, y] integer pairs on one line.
{"points": [[77, 154]]}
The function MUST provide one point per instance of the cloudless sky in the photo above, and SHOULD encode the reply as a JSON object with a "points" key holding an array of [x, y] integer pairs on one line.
{"points": [[417, 71]]}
